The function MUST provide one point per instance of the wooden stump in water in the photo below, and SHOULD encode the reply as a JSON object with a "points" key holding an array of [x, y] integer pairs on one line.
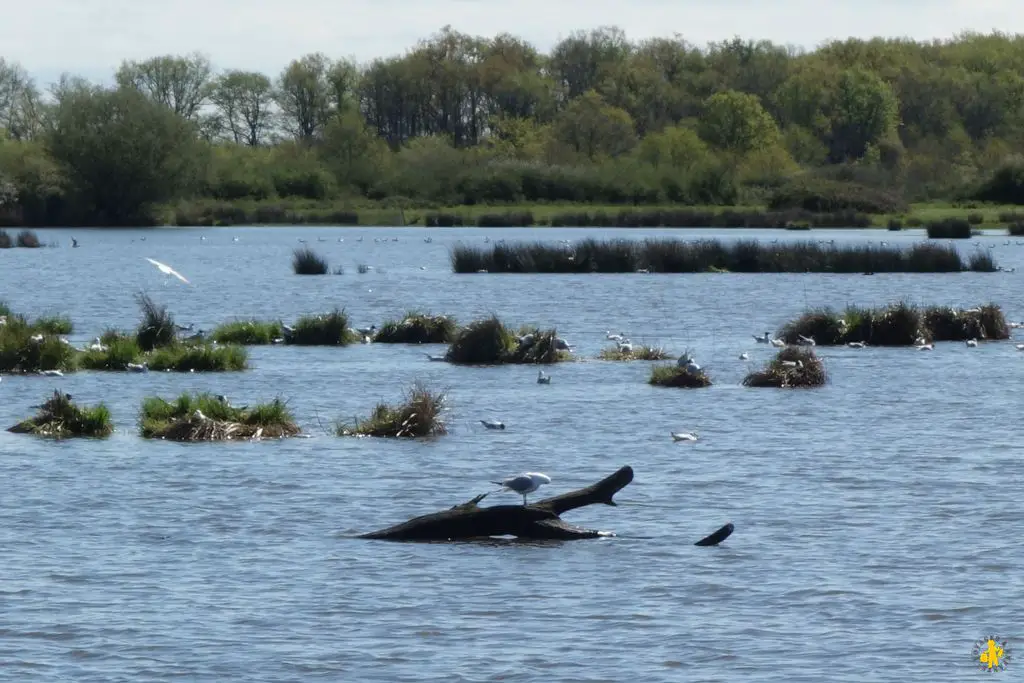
{"points": [[540, 520]]}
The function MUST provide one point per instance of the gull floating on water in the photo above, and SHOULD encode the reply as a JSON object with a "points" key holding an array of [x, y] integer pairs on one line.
{"points": [[744, 356], [542, 378], [528, 482], [137, 367], [856, 345], [436, 359], [972, 342], [167, 270], [51, 373], [766, 339], [684, 436], [493, 424], [925, 347]]}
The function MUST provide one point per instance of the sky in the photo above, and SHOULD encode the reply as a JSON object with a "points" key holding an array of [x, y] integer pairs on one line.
{"points": [[91, 37]]}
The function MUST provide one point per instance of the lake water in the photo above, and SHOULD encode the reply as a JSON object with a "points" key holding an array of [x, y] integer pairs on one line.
{"points": [[877, 519]]}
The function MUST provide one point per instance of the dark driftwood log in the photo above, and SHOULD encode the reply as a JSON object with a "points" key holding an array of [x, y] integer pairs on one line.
{"points": [[540, 520]]}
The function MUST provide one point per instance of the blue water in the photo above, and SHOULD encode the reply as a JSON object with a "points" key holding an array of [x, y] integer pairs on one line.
{"points": [[877, 519]]}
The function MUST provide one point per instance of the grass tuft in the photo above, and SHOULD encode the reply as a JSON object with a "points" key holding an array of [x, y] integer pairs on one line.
{"points": [[198, 358], [419, 415], [329, 329], [157, 326], [675, 376], [203, 417], [24, 349], [248, 332], [638, 352], [781, 372], [305, 261], [60, 418], [490, 342], [117, 352], [418, 328]]}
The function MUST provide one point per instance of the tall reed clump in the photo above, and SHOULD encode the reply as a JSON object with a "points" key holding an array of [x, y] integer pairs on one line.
{"points": [[157, 326], [60, 418], [792, 367], [24, 349], [248, 332], [203, 417], [418, 416], [899, 324], [328, 329], [949, 229], [678, 256], [633, 352], [305, 261], [953, 324], [679, 377], [490, 342], [418, 328]]}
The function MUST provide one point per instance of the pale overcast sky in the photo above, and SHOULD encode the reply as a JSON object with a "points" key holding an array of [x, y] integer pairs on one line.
{"points": [[91, 37]]}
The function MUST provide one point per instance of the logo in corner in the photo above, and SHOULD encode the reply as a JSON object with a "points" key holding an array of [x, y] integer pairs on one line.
{"points": [[991, 654]]}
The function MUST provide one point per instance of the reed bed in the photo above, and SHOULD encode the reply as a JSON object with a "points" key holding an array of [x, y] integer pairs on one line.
{"points": [[203, 417], [679, 256], [116, 352], [59, 418], [248, 332], [490, 342], [636, 352], [418, 328], [793, 367], [899, 324], [949, 229], [198, 358], [678, 377], [5, 240], [305, 261], [420, 415], [328, 329], [24, 349]]}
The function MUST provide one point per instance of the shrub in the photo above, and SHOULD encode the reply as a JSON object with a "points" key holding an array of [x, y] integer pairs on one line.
{"points": [[948, 228], [418, 328], [157, 326], [975, 218], [198, 358], [330, 329], [60, 418], [305, 261], [638, 352], [418, 416], [899, 324], [1005, 186], [512, 219], [1015, 229], [950, 324], [248, 332], [792, 367], [675, 376], [442, 220], [895, 224], [204, 417], [53, 325], [823, 195]]}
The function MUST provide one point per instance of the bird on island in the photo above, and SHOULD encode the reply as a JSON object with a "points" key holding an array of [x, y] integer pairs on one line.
{"points": [[167, 270], [684, 436], [806, 341], [798, 364], [542, 378], [614, 337], [525, 483], [493, 424], [778, 343], [367, 331]]}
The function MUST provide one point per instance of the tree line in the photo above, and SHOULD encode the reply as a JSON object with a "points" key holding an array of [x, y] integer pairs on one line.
{"points": [[462, 119]]}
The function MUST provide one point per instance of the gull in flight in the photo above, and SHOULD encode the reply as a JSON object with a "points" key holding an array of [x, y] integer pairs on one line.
{"points": [[167, 270], [522, 484]]}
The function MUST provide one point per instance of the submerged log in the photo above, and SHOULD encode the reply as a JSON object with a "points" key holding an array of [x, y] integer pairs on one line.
{"points": [[540, 520]]}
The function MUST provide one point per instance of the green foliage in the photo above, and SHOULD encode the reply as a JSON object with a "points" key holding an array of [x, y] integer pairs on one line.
{"points": [[248, 332], [824, 195], [681, 378], [637, 352], [468, 120], [59, 418], [305, 261], [418, 328], [157, 326], [203, 417], [419, 416], [119, 352], [490, 342], [26, 349], [198, 358], [329, 329]]}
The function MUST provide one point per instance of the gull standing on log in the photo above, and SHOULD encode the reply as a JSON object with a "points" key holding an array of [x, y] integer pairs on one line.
{"points": [[522, 484]]}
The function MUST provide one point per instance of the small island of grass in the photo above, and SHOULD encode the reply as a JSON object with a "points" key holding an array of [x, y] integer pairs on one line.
{"points": [[490, 342], [631, 352], [418, 328], [419, 415], [25, 347], [59, 418], [679, 377], [203, 417], [249, 332], [792, 367]]}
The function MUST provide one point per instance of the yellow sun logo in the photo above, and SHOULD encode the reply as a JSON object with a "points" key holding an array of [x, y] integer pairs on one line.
{"points": [[991, 654]]}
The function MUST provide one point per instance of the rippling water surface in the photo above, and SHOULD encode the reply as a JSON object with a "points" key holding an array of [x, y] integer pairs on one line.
{"points": [[877, 519]]}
